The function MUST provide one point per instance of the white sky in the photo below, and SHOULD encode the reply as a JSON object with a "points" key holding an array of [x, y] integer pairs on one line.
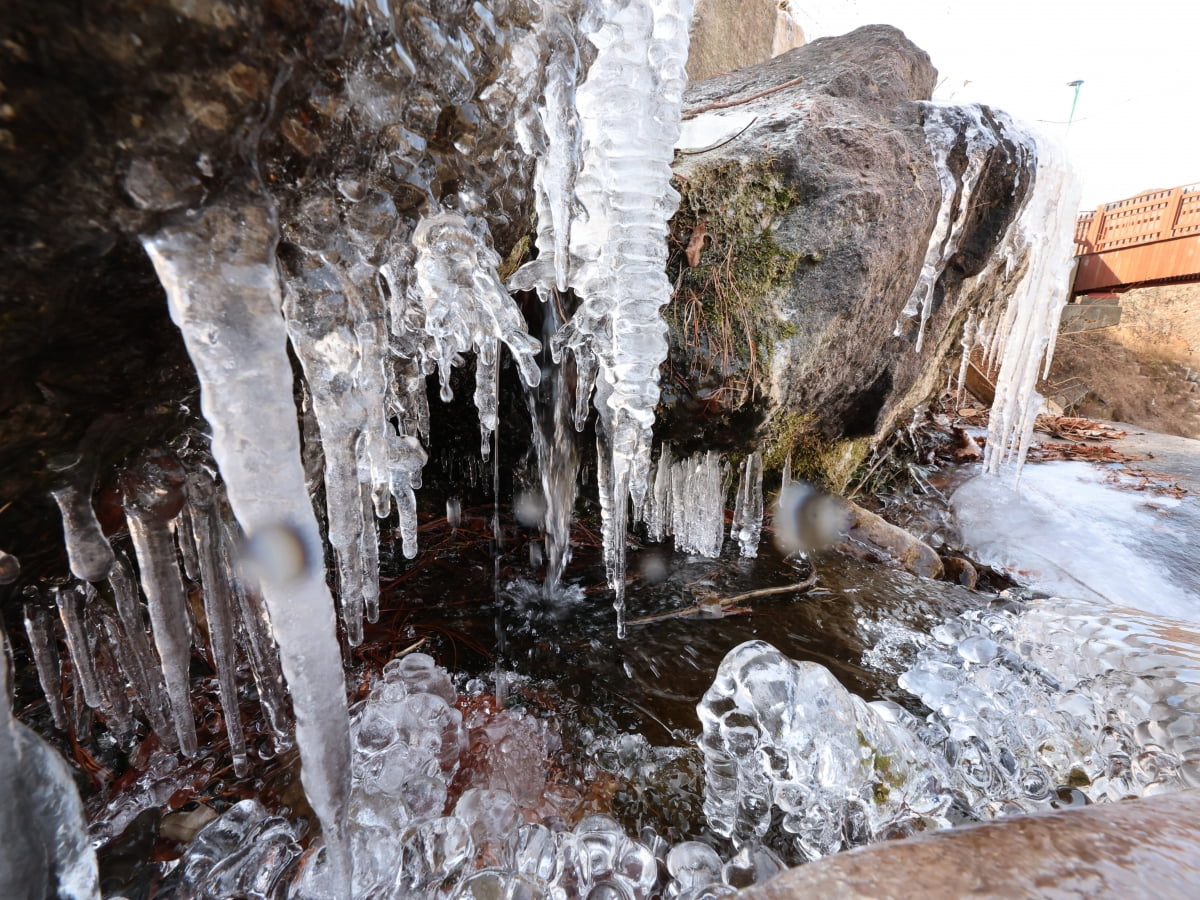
{"points": [[1137, 124]]}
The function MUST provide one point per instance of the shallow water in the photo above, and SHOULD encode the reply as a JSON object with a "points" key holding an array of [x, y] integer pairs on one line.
{"points": [[1112, 691]]}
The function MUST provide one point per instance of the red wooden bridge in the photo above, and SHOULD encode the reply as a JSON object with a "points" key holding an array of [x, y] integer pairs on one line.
{"points": [[1153, 238]]}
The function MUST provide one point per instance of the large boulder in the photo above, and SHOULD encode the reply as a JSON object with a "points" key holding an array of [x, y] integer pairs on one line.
{"points": [[810, 192], [1135, 848]]}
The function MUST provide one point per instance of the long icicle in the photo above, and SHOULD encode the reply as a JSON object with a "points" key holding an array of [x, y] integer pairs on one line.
{"points": [[153, 489], [218, 268], [218, 608]]}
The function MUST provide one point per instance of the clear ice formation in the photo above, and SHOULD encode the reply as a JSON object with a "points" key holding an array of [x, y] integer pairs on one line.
{"points": [[154, 496], [1026, 334], [218, 268], [218, 606], [45, 851], [137, 657], [746, 528], [452, 799], [1020, 331], [320, 309], [687, 501], [466, 307], [1026, 709], [628, 110], [39, 627], [963, 132], [780, 735], [88, 552]]}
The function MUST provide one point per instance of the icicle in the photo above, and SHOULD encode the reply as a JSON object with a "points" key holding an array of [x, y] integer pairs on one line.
{"points": [[746, 528], [629, 113], [949, 130], [1045, 228], [10, 568], [186, 539], [320, 325], [154, 496], [139, 661], [218, 608], [659, 511], [969, 338], [254, 628], [45, 851], [39, 626], [70, 610], [558, 162], [114, 688], [689, 502], [88, 553], [218, 268], [467, 308], [487, 393], [368, 546], [406, 459]]}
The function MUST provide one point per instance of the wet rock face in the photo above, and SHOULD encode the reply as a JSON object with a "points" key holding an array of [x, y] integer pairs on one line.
{"points": [[855, 195]]}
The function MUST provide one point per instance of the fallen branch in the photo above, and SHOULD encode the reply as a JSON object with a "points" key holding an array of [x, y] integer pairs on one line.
{"points": [[713, 606]]}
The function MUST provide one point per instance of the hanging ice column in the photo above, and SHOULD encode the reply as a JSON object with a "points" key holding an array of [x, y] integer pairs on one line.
{"points": [[629, 116], [218, 268], [1019, 330], [1045, 230], [950, 130]]}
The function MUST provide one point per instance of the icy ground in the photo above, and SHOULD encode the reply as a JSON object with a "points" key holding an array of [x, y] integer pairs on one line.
{"points": [[1074, 530]]}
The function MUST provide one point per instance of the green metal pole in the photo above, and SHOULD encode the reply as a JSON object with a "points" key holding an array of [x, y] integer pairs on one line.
{"points": [[1077, 84]]}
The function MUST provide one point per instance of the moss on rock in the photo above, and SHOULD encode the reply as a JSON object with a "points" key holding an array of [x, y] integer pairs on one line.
{"points": [[725, 264], [829, 463]]}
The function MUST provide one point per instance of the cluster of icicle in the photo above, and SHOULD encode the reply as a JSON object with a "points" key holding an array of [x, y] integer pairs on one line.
{"points": [[368, 320], [613, 152], [451, 798], [1042, 707], [184, 536], [370, 306], [687, 502], [1024, 337], [1018, 333]]}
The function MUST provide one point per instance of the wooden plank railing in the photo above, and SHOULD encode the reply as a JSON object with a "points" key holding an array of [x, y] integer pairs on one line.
{"points": [[1153, 216]]}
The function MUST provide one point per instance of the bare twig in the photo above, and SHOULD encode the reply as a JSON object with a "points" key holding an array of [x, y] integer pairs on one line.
{"points": [[726, 605], [725, 104]]}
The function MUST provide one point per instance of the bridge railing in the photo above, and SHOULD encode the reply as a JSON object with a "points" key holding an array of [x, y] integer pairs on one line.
{"points": [[1149, 217]]}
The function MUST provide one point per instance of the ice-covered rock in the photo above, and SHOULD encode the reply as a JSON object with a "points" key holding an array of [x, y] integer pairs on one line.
{"points": [[45, 851], [784, 737]]}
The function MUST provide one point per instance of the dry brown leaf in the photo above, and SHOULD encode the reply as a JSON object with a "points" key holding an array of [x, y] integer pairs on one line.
{"points": [[696, 245]]}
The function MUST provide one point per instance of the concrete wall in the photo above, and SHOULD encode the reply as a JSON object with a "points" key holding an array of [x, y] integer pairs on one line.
{"points": [[1163, 321]]}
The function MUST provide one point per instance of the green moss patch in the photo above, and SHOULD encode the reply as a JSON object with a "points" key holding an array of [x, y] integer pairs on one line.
{"points": [[832, 464], [725, 264]]}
